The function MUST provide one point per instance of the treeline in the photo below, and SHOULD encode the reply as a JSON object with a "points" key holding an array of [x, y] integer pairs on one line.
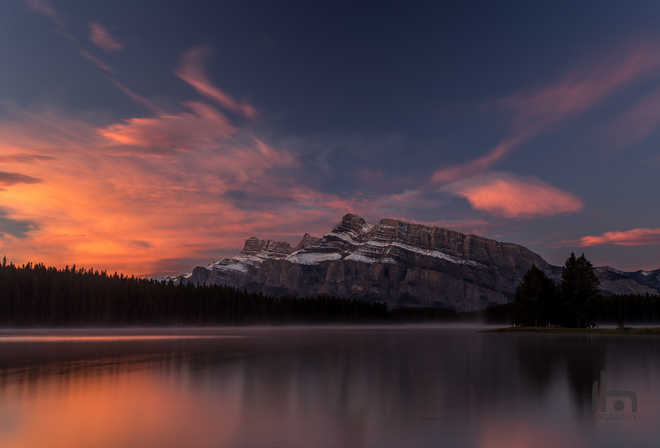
{"points": [[576, 301], [628, 309], [40, 296], [36, 295]]}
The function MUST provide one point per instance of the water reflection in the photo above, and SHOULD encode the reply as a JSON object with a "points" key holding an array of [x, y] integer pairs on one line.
{"points": [[375, 387]]}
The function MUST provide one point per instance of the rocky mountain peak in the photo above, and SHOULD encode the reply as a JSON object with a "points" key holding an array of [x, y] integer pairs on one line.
{"points": [[352, 224], [307, 240], [278, 248], [253, 245]]}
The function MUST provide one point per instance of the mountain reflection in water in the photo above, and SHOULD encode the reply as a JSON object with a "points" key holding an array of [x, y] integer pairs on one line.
{"points": [[320, 387]]}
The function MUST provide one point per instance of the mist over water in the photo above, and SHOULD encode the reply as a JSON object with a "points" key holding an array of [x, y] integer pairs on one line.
{"points": [[334, 386]]}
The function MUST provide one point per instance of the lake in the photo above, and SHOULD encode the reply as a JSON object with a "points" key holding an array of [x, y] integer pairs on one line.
{"points": [[371, 386]]}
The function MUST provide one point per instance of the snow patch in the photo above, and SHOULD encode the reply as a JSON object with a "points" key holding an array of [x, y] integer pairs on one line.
{"points": [[234, 267], [312, 257], [356, 256]]}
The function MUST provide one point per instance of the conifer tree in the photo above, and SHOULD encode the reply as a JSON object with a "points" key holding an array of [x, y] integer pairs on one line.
{"points": [[536, 300], [579, 290]]}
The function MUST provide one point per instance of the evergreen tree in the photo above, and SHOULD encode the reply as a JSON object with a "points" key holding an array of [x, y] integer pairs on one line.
{"points": [[536, 300], [579, 290]]}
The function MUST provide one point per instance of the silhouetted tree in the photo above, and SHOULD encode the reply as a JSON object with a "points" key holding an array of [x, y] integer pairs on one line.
{"points": [[536, 300], [579, 290]]}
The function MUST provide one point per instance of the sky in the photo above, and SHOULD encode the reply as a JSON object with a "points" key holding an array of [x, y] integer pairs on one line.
{"points": [[154, 136]]}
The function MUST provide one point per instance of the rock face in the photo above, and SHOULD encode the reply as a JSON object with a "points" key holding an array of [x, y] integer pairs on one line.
{"points": [[399, 263]]}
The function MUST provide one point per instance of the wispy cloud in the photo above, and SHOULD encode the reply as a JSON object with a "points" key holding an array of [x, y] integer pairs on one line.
{"points": [[633, 237], [638, 122], [23, 158], [538, 110], [101, 37], [138, 99], [191, 70], [15, 228], [509, 196], [97, 35], [7, 179], [106, 188], [99, 63], [44, 8], [185, 131]]}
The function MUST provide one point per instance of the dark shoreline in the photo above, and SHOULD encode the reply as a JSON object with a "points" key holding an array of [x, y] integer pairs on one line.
{"points": [[561, 330]]}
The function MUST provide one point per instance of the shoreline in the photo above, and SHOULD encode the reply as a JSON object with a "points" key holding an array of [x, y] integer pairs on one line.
{"points": [[563, 330]]}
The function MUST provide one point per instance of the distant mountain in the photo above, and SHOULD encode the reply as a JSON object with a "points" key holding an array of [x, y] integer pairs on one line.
{"points": [[401, 263]]}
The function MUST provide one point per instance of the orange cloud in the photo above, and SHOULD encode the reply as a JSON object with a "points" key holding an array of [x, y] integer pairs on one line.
{"points": [[508, 196], [192, 72], [182, 132], [536, 111], [107, 199], [101, 37], [633, 237]]}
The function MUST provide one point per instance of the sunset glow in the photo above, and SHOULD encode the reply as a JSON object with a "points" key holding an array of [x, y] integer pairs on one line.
{"points": [[132, 147]]}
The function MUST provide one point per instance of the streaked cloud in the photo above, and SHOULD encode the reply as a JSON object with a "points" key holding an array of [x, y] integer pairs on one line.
{"points": [[113, 197], [98, 34], [14, 228], [23, 158], [96, 61], [538, 110], [191, 70], [638, 122], [7, 179], [185, 131], [101, 37], [633, 237], [509, 196], [138, 99], [44, 8]]}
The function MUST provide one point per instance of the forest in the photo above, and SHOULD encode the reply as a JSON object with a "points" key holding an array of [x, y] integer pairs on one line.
{"points": [[33, 295], [576, 301]]}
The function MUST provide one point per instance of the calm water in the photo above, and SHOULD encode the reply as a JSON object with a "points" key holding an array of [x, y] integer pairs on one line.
{"points": [[325, 387]]}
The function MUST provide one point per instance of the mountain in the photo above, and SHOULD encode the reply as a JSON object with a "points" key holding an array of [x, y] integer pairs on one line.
{"points": [[398, 262]]}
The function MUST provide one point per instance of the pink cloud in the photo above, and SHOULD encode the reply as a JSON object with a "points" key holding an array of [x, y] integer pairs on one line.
{"points": [[185, 131], [538, 110], [478, 165], [638, 122], [509, 196], [137, 98], [583, 87], [99, 63], [191, 71], [44, 8], [633, 237], [100, 192], [101, 37]]}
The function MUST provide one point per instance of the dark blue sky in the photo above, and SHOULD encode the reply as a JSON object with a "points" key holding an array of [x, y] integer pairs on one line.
{"points": [[152, 136]]}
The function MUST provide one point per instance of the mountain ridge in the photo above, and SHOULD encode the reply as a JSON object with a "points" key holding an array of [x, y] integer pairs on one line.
{"points": [[398, 262]]}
